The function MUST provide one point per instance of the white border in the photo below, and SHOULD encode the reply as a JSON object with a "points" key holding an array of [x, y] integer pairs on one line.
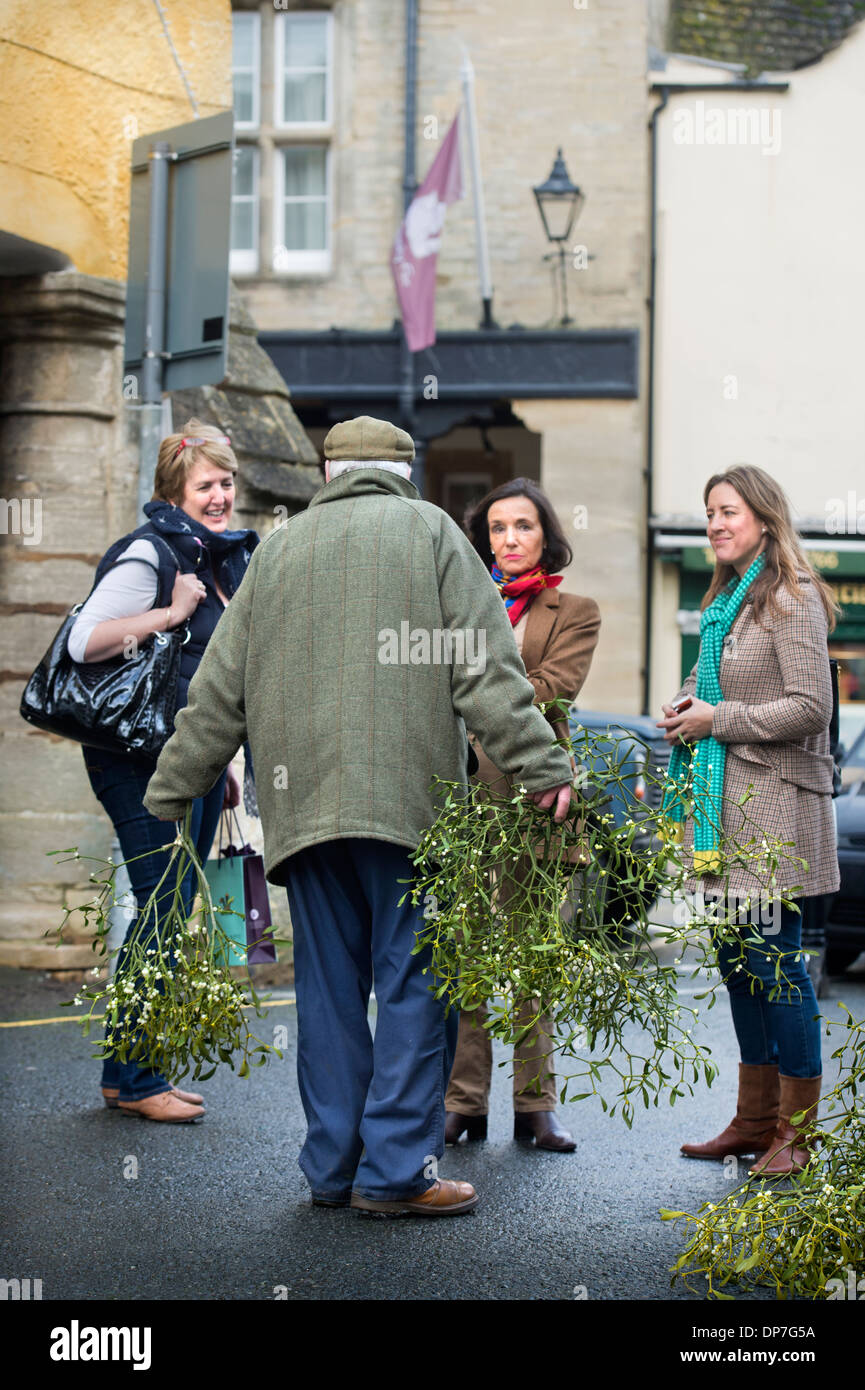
{"points": [[301, 262], [302, 127], [245, 261], [256, 74]]}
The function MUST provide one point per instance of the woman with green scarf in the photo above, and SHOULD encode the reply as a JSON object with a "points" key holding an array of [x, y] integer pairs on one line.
{"points": [[751, 768]]}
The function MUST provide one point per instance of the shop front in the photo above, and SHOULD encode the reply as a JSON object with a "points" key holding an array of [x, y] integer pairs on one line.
{"points": [[842, 567]]}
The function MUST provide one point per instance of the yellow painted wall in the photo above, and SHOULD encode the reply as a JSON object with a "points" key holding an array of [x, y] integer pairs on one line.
{"points": [[78, 81]]}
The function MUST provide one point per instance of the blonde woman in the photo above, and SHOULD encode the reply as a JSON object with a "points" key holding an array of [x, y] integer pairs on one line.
{"points": [[147, 586], [757, 726]]}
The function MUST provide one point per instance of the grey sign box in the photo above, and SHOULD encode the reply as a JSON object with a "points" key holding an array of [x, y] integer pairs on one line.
{"points": [[198, 244]]}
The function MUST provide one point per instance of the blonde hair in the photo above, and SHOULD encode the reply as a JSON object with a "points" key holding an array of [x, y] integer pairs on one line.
{"points": [[176, 458], [785, 558]]}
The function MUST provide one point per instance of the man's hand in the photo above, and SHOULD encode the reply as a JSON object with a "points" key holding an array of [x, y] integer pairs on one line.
{"points": [[232, 791], [560, 795]]}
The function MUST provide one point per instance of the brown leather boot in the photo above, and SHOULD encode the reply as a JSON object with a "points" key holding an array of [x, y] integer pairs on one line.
{"points": [[752, 1129], [473, 1126], [543, 1126], [789, 1151]]}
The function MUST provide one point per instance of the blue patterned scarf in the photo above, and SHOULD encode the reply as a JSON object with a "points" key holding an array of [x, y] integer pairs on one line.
{"points": [[707, 757]]}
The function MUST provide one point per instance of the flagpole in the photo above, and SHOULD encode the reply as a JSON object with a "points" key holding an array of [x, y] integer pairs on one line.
{"points": [[467, 73]]}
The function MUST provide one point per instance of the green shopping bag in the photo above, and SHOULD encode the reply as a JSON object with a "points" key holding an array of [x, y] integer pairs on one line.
{"points": [[225, 881]]}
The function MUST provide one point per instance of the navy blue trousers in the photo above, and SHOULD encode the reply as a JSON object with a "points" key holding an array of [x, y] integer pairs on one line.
{"points": [[120, 783], [374, 1106]]}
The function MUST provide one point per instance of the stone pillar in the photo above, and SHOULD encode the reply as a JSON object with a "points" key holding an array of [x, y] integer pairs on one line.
{"points": [[67, 489], [592, 472]]}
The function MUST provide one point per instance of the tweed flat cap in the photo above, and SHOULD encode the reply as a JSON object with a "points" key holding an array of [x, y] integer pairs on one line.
{"points": [[368, 438]]}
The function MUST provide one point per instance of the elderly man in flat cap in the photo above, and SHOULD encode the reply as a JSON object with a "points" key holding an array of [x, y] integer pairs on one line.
{"points": [[349, 722]]}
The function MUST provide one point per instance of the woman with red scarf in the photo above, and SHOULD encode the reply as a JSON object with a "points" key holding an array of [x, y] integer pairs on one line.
{"points": [[516, 532]]}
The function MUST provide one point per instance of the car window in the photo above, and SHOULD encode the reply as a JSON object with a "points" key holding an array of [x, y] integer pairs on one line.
{"points": [[853, 763]]}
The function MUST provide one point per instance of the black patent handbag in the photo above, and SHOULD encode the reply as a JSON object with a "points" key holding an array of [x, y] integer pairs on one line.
{"points": [[125, 705]]}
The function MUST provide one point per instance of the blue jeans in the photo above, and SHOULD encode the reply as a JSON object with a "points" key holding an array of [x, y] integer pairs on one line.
{"points": [[374, 1108], [120, 783], [783, 1031]]}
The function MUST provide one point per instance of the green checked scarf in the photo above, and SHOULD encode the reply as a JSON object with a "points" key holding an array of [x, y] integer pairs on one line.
{"points": [[707, 757]]}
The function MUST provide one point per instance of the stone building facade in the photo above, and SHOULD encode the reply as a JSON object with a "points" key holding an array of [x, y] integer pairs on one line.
{"points": [[321, 106], [75, 95]]}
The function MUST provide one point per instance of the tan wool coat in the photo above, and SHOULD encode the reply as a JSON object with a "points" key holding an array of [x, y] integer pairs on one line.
{"points": [[774, 720], [558, 642]]}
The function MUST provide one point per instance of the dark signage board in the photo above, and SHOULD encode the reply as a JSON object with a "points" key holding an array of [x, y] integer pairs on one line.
{"points": [[197, 243]]}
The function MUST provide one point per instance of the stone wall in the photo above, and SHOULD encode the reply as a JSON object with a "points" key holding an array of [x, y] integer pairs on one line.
{"points": [[78, 83], [63, 452]]}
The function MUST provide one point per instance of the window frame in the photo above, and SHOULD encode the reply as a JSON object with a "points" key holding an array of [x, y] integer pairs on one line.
{"points": [[255, 16], [302, 127], [318, 262], [247, 260]]}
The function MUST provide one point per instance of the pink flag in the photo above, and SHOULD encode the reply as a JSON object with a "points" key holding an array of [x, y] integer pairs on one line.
{"points": [[415, 251]]}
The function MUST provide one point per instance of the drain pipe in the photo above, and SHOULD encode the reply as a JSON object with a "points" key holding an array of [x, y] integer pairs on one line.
{"points": [[409, 188], [650, 409]]}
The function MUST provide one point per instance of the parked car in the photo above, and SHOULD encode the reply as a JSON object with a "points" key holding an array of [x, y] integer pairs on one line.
{"points": [[845, 926], [635, 748], [851, 736]]}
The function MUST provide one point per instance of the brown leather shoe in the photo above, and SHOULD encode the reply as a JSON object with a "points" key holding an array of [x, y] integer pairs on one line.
{"points": [[473, 1126], [164, 1106], [789, 1150], [752, 1129], [543, 1126], [110, 1095], [444, 1198], [189, 1096]]}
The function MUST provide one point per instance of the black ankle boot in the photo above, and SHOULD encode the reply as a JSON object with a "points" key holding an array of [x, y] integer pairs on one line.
{"points": [[543, 1126], [473, 1126]]}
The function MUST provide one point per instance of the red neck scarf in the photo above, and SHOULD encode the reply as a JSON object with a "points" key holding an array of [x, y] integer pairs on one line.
{"points": [[519, 592]]}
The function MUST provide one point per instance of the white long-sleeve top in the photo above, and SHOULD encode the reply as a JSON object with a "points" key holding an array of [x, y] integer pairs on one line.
{"points": [[125, 591]]}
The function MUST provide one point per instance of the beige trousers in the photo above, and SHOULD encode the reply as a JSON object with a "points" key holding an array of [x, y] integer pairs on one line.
{"points": [[468, 1091]]}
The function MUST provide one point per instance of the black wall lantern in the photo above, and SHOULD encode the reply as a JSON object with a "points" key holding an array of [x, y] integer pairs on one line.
{"points": [[559, 203]]}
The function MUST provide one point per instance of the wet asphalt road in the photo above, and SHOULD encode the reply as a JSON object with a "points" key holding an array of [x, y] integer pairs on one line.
{"points": [[220, 1210]]}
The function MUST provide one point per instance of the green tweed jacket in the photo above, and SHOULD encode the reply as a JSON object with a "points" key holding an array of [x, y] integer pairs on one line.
{"points": [[332, 659]]}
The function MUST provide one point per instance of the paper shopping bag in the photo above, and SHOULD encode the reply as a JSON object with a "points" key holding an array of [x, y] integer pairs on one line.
{"points": [[236, 878], [225, 881]]}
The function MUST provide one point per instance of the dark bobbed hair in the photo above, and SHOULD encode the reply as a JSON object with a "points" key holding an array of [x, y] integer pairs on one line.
{"points": [[556, 554]]}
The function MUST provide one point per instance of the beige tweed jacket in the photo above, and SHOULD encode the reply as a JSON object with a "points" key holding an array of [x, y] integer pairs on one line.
{"points": [[774, 720]]}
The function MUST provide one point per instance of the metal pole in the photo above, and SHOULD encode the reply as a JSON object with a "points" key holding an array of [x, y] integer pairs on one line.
{"points": [[563, 270], [649, 606], [154, 322], [149, 438], [409, 187], [483, 255]]}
